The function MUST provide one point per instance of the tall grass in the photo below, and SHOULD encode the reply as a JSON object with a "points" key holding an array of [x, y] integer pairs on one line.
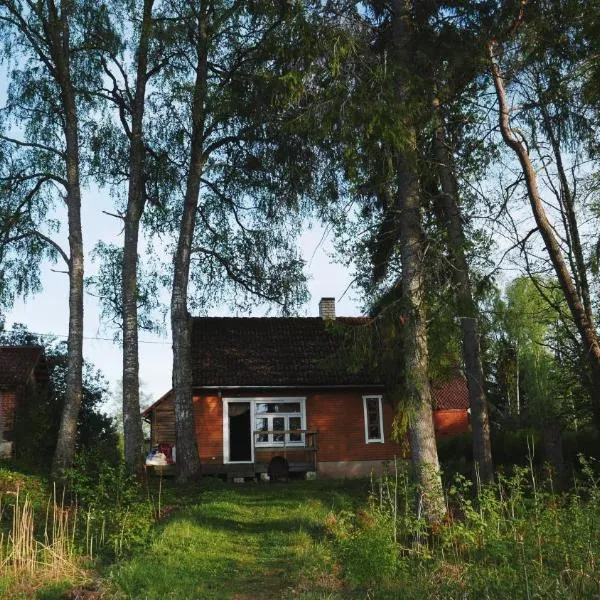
{"points": [[60, 537], [46, 553], [517, 538]]}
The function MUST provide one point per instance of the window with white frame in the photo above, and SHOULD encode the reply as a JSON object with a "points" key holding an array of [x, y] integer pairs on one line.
{"points": [[281, 421], [373, 419]]}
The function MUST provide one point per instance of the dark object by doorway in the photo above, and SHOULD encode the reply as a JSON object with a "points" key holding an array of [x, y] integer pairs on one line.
{"points": [[279, 469]]}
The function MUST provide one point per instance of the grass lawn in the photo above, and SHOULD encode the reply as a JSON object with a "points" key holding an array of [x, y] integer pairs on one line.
{"points": [[242, 541], [315, 540]]}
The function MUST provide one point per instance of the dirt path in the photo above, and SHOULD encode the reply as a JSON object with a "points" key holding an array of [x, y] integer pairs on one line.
{"points": [[245, 542]]}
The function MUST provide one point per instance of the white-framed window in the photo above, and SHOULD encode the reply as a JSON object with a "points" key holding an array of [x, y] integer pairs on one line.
{"points": [[373, 419], [279, 418]]}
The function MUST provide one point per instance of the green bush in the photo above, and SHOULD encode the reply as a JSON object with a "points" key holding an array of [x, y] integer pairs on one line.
{"points": [[516, 538], [510, 447], [113, 504], [514, 447], [366, 546]]}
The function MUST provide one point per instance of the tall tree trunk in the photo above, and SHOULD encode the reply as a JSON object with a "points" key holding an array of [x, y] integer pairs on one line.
{"points": [[482, 449], [67, 434], [132, 424], [188, 462], [416, 365], [581, 318]]}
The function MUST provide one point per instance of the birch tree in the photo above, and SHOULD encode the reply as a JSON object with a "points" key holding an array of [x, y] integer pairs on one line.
{"points": [[242, 174], [545, 78], [41, 157]]}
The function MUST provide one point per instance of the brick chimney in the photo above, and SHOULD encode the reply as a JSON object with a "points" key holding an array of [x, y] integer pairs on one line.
{"points": [[327, 308]]}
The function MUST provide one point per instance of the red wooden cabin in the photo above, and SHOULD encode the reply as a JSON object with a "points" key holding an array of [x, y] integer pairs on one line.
{"points": [[278, 389]]}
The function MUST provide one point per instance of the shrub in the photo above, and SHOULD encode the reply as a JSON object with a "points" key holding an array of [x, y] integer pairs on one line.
{"points": [[515, 538], [366, 546], [116, 511]]}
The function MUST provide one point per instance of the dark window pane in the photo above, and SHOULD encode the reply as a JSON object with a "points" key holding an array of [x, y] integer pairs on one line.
{"points": [[288, 407], [373, 422], [295, 423], [261, 424], [278, 425]]}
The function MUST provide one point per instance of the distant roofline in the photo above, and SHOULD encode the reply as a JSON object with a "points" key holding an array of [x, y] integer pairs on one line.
{"points": [[40, 360]]}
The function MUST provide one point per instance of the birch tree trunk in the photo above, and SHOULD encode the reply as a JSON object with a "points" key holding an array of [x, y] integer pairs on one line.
{"points": [[416, 365], [577, 305], [188, 462], [60, 43], [482, 449], [132, 424]]}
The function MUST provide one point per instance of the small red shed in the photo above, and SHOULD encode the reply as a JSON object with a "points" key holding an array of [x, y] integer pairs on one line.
{"points": [[22, 371]]}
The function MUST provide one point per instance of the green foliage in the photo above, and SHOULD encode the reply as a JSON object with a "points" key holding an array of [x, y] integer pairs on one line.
{"points": [[537, 370], [516, 447], [516, 538], [117, 514], [367, 549], [33, 178], [106, 286], [334, 539], [38, 420], [96, 481]]}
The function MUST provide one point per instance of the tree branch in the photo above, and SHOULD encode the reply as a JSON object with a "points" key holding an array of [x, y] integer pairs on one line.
{"points": [[37, 145]]}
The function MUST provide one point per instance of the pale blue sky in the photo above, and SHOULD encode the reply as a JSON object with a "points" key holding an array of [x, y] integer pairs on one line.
{"points": [[47, 312]]}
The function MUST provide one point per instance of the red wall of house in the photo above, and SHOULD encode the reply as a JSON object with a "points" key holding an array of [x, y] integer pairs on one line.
{"points": [[339, 418], [337, 415], [449, 422], [8, 404]]}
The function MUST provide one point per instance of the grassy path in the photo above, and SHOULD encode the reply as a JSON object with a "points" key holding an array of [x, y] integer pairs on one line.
{"points": [[242, 542]]}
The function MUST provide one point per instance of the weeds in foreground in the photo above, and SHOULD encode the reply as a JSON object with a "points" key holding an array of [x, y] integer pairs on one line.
{"points": [[57, 539], [516, 538], [52, 555]]}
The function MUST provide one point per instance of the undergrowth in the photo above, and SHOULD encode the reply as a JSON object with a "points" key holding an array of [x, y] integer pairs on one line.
{"points": [[54, 539], [517, 538]]}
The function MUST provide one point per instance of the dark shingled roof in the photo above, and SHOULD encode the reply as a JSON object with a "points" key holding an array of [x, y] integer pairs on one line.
{"points": [[451, 394], [17, 363], [271, 351]]}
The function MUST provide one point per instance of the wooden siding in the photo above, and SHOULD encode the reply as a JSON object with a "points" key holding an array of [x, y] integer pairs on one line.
{"points": [[163, 423], [208, 411], [450, 422]]}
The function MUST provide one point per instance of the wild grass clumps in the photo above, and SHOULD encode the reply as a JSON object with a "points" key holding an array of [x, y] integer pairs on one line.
{"points": [[516, 538], [43, 553], [52, 537]]}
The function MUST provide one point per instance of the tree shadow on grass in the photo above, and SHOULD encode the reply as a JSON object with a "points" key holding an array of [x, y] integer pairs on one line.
{"points": [[237, 541], [284, 525]]}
